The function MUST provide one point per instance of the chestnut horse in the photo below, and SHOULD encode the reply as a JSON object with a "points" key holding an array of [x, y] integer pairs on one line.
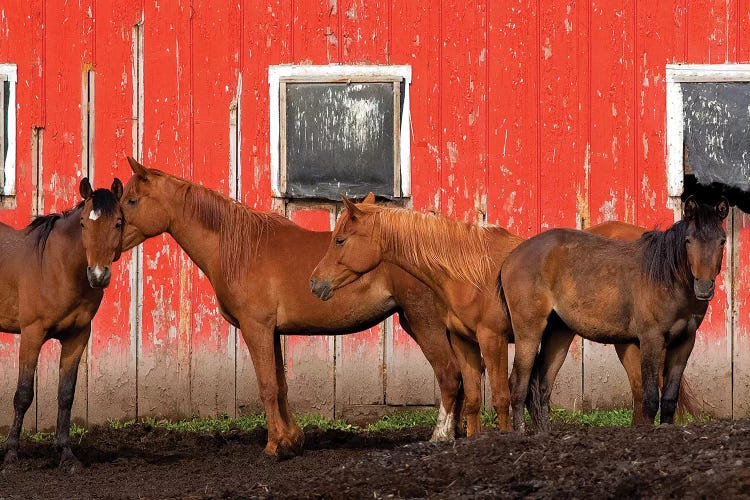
{"points": [[52, 276], [653, 291], [259, 264], [458, 261]]}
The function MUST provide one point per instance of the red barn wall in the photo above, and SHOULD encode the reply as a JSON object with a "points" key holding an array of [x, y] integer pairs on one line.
{"points": [[527, 114]]}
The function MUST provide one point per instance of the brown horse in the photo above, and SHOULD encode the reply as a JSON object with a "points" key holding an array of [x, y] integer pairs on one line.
{"points": [[653, 291], [259, 264], [52, 278], [439, 251]]}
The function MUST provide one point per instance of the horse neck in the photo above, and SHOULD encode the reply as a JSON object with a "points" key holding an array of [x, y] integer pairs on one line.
{"points": [[64, 253], [416, 263], [201, 244]]}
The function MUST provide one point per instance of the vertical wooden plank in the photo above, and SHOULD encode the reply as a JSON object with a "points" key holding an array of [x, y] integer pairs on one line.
{"points": [[309, 359], [740, 269], [464, 109], [611, 176], [62, 155], [660, 40], [112, 351], [164, 340], [559, 133], [267, 29], [23, 24], [410, 379], [316, 32], [417, 42], [215, 82], [513, 126], [711, 36], [365, 31]]}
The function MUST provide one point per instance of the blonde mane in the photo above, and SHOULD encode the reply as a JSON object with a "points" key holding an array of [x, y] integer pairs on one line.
{"points": [[241, 229], [457, 249]]}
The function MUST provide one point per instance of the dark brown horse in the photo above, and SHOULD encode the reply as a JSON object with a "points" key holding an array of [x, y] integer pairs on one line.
{"points": [[653, 291], [52, 276], [259, 265]]}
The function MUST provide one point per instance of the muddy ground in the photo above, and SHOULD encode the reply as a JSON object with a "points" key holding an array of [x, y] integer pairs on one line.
{"points": [[702, 460]]}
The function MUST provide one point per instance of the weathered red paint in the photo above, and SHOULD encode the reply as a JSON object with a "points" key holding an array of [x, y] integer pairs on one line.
{"points": [[525, 113]]}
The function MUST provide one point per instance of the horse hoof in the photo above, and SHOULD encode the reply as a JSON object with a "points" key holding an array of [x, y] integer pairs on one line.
{"points": [[70, 464], [10, 463]]}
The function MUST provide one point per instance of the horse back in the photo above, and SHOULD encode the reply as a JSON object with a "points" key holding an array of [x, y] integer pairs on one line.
{"points": [[590, 281]]}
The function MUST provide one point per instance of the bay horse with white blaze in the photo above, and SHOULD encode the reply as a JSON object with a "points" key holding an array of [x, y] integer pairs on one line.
{"points": [[259, 265], [52, 279], [653, 291], [459, 261]]}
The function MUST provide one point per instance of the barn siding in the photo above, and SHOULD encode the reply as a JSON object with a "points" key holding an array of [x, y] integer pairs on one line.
{"points": [[525, 113]]}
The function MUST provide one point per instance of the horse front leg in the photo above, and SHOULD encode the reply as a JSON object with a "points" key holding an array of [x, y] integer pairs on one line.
{"points": [[651, 348], [674, 365], [431, 336], [70, 357], [260, 340], [555, 345], [32, 339]]}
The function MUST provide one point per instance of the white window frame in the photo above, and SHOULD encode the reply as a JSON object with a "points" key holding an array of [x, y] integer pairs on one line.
{"points": [[677, 74], [336, 72], [10, 71]]}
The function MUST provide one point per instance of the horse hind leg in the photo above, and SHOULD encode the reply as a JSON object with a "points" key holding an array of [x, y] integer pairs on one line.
{"points": [[674, 366], [470, 363], [528, 334], [432, 338], [70, 357], [555, 345], [32, 339], [294, 434], [630, 357], [494, 347]]}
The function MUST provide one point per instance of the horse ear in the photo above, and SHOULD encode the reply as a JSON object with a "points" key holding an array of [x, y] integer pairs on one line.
{"points": [[353, 210], [722, 208], [369, 199], [690, 209], [117, 188], [85, 188], [137, 168]]}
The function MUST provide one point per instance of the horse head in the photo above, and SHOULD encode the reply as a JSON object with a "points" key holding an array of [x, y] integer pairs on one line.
{"points": [[704, 243], [353, 250], [144, 204], [101, 230]]}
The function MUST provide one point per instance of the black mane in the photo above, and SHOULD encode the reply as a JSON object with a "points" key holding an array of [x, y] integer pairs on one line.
{"points": [[664, 255], [104, 200]]}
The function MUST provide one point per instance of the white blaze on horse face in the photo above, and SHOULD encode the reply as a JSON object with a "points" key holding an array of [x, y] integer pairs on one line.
{"points": [[444, 427], [94, 214]]}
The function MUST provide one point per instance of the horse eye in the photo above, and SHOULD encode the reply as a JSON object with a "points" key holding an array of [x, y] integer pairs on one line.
{"points": [[688, 241], [339, 241], [723, 241], [118, 224], [83, 226], [132, 201]]}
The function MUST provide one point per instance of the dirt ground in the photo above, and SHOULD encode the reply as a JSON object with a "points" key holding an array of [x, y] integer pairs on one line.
{"points": [[703, 460]]}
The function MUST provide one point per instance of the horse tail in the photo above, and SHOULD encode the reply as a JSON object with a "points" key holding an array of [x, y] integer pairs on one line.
{"points": [[535, 403], [687, 400]]}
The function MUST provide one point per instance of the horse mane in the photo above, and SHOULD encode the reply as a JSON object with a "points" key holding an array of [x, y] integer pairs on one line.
{"points": [[664, 259], [103, 199], [459, 250], [237, 225]]}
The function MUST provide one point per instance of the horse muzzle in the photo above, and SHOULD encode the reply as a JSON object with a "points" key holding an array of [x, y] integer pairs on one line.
{"points": [[321, 289], [704, 289], [98, 276]]}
